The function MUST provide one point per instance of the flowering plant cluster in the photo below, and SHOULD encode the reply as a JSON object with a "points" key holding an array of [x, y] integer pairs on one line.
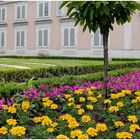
{"points": [[73, 112]]}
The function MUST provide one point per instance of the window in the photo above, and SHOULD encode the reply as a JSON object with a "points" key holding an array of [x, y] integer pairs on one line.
{"points": [[2, 39], [42, 37], [21, 12], [2, 14], [69, 37], [98, 39], [60, 12], [20, 38], [43, 9]]}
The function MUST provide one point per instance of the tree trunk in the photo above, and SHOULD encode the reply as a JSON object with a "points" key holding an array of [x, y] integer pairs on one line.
{"points": [[105, 44]]}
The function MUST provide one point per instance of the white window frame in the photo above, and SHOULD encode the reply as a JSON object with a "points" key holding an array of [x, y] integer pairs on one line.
{"points": [[1, 30], [21, 19], [37, 36], [25, 37], [3, 21], [100, 46], [68, 26], [49, 10]]}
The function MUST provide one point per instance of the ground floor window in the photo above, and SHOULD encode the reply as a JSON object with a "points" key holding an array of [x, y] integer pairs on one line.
{"points": [[97, 39], [68, 36], [20, 38], [42, 37], [2, 39]]}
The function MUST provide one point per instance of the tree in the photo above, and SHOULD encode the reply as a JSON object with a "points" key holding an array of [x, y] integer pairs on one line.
{"points": [[101, 15]]}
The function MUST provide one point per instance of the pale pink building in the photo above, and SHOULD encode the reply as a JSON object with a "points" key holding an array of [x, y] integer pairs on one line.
{"points": [[41, 28]]}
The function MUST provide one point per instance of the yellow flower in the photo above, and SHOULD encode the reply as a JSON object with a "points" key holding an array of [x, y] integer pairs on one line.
{"points": [[101, 127], [71, 99], [45, 99], [61, 136], [107, 101], [54, 106], [4, 107], [37, 119], [120, 104], [73, 124], [25, 105], [46, 120], [92, 131], [54, 124], [75, 133], [133, 127], [121, 94], [99, 96], [81, 111], [123, 135], [83, 136], [12, 122], [90, 93], [138, 98], [47, 103], [15, 105], [67, 96], [77, 106], [134, 101], [90, 107], [118, 123], [92, 99], [113, 109], [79, 91], [3, 130], [82, 99], [70, 104], [93, 87], [18, 130], [132, 118], [12, 110], [50, 130], [85, 118], [114, 96], [137, 93], [128, 91], [65, 117]]}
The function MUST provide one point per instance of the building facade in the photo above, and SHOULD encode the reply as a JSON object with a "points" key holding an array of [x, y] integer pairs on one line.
{"points": [[41, 28]]}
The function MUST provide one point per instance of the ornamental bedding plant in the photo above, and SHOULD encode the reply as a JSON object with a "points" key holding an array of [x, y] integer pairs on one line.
{"points": [[74, 112]]}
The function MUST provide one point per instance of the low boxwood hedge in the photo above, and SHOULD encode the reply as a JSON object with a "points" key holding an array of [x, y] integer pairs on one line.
{"points": [[9, 89], [25, 75]]}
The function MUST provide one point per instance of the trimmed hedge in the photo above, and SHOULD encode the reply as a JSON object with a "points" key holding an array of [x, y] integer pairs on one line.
{"points": [[25, 75], [9, 89]]}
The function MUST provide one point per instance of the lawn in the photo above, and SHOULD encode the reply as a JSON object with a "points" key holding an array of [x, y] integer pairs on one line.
{"points": [[41, 63]]}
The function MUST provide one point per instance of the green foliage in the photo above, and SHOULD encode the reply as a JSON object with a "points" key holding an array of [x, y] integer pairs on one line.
{"points": [[100, 14], [26, 75], [9, 89]]}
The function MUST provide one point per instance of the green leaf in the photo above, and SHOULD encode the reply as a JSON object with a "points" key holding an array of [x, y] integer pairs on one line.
{"points": [[91, 15], [97, 4]]}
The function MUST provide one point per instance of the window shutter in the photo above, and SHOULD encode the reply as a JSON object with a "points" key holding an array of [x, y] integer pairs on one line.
{"points": [[17, 38], [72, 37], [101, 40], [18, 12], [96, 38], [46, 9], [22, 38], [45, 37], [40, 9], [40, 38], [66, 36], [2, 39], [3, 13], [0, 14], [23, 11]]}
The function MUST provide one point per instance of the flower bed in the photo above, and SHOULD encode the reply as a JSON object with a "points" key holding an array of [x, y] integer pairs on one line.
{"points": [[74, 112]]}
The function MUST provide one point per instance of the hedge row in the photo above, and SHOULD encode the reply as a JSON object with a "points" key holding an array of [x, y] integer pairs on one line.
{"points": [[25, 75], [68, 57], [8, 89]]}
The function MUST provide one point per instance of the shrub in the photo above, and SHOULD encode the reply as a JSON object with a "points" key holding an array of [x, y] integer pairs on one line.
{"points": [[25, 75]]}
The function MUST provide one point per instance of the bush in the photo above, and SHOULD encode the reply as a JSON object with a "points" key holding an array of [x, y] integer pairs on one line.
{"points": [[25, 75], [9, 89]]}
